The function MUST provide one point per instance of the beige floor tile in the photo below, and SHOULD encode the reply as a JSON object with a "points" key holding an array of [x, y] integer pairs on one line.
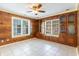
{"points": [[37, 47]]}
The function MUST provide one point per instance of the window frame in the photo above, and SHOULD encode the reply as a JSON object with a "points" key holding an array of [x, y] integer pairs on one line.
{"points": [[21, 19], [43, 28]]}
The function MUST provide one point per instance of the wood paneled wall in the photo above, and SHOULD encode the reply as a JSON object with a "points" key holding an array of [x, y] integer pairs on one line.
{"points": [[63, 38], [78, 26], [6, 28]]}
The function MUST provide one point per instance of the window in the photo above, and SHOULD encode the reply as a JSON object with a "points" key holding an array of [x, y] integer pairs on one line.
{"points": [[20, 27], [51, 27], [43, 27]]}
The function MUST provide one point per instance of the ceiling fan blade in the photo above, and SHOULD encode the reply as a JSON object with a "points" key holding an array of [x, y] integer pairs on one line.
{"points": [[29, 11], [42, 11]]}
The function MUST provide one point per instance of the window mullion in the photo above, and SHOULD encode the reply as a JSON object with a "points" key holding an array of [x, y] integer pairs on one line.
{"points": [[21, 27], [45, 28], [28, 27], [51, 27]]}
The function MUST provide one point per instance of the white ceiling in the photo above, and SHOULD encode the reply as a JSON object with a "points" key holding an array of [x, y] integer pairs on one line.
{"points": [[50, 8]]}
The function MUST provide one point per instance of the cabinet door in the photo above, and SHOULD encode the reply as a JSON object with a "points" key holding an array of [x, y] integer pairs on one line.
{"points": [[71, 25], [63, 24], [71, 30], [62, 37]]}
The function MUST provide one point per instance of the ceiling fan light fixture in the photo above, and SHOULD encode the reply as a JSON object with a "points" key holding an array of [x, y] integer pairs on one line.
{"points": [[36, 6]]}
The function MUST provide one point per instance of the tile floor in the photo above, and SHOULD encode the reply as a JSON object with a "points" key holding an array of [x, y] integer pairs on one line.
{"points": [[36, 47]]}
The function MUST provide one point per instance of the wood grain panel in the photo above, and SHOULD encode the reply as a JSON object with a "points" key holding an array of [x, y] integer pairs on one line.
{"points": [[6, 28], [63, 38]]}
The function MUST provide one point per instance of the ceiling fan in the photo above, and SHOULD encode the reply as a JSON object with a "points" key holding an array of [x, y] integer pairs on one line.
{"points": [[36, 8]]}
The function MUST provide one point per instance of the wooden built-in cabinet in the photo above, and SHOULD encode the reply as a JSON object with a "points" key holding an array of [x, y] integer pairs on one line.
{"points": [[68, 34], [72, 29], [63, 29]]}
